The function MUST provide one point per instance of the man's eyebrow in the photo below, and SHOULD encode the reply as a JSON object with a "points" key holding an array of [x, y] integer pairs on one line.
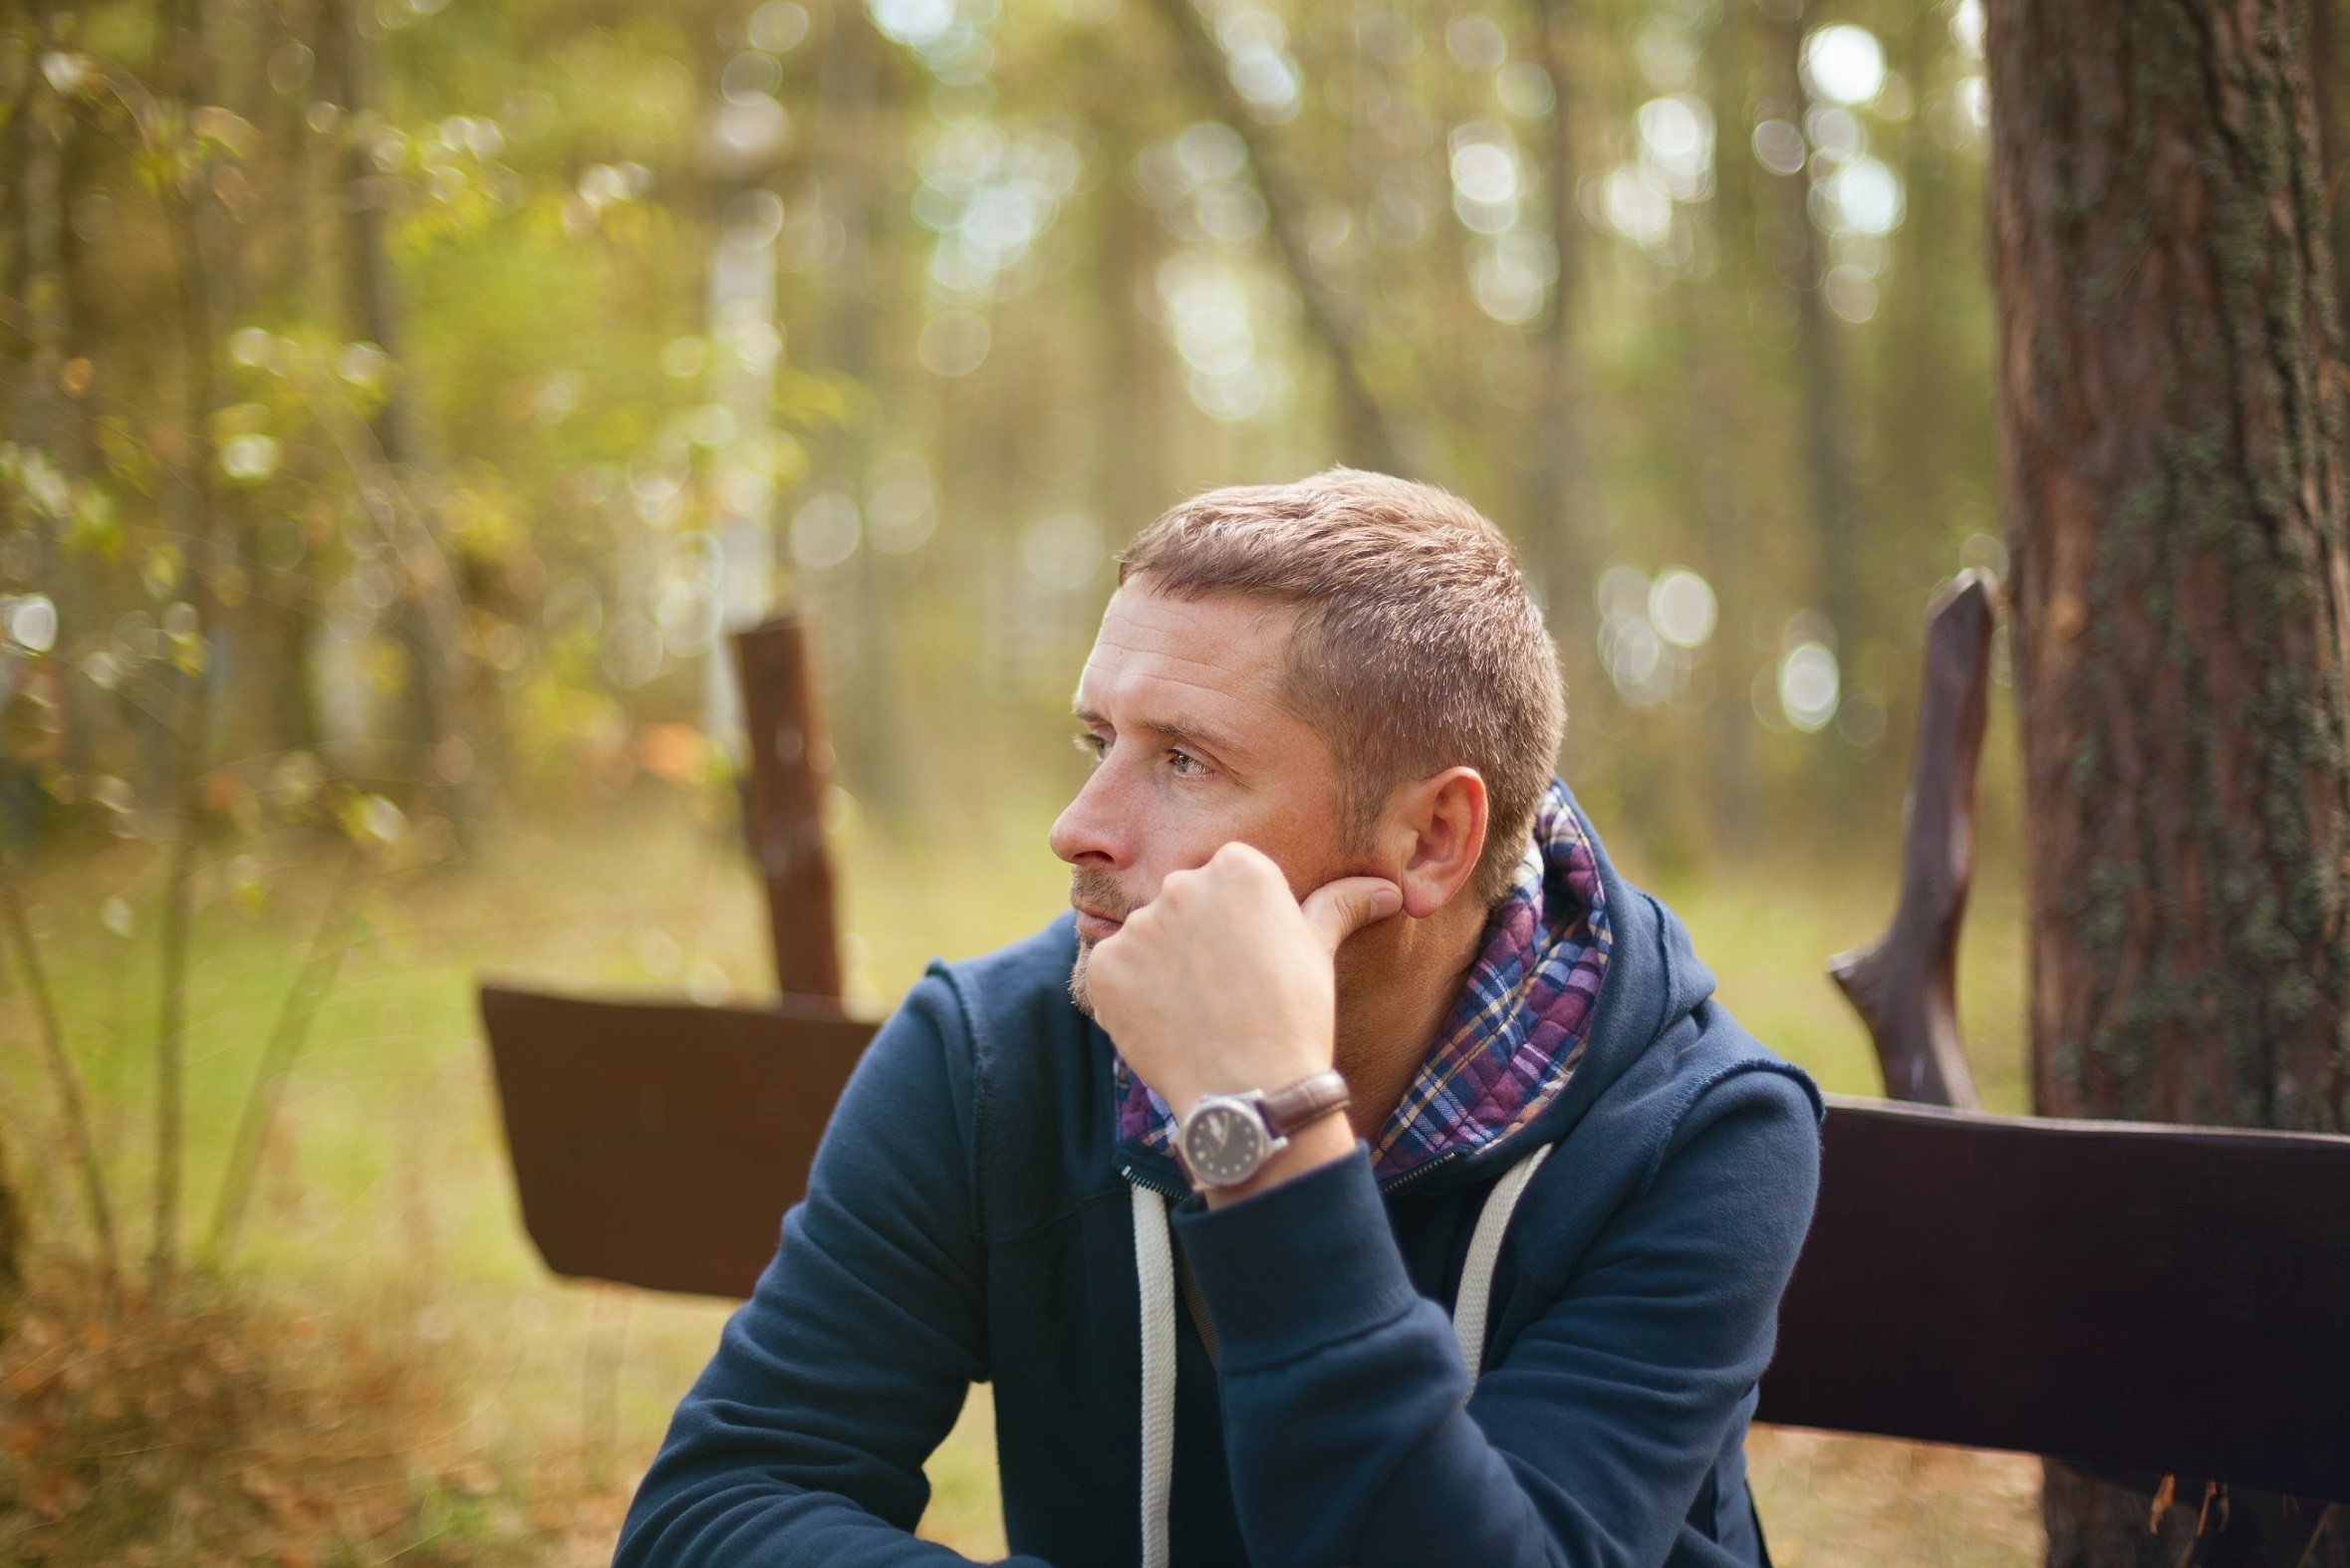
{"points": [[1176, 728]]}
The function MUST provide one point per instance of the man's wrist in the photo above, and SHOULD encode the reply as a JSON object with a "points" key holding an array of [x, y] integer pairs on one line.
{"points": [[1226, 1141]]}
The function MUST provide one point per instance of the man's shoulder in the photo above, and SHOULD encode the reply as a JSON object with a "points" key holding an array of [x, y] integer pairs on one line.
{"points": [[1037, 1075], [1018, 980], [1668, 1058], [999, 1006]]}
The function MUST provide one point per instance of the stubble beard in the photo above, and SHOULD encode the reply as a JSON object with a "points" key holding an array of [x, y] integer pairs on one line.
{"points": [[1077, 989], [1097, 891]]}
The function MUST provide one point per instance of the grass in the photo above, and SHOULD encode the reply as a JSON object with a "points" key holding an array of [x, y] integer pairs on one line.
{"points": [[384, 1211], [227, 1426]]}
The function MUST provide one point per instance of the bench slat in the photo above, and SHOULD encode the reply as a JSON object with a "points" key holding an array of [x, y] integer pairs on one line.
{"points": [[658, 1143], [2161, 1298]]}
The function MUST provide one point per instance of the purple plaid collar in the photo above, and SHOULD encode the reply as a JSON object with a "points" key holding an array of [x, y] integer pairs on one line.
{"points": [[1513, 1039]]}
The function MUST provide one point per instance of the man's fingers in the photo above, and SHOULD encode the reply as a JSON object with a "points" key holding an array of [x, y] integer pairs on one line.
{"points": [[1337, 910]]}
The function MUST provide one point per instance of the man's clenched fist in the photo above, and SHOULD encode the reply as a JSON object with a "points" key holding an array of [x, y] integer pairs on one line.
{"points": [[1224, 982]]}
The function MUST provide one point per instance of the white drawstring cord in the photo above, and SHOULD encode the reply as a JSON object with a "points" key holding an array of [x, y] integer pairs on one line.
{"points": [[1485, 1252], [1155, 1272]]}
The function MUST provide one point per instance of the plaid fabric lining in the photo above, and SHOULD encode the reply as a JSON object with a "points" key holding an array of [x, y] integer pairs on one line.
{"points": [[1513, 1039]]}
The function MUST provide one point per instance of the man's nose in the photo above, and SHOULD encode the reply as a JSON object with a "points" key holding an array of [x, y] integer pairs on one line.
{"points": [[1091, 830]]}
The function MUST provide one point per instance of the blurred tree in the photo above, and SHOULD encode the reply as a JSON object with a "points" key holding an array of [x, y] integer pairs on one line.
{"points": [[2172, 397], [1367, 438], [191, 146], [849, 174], [1562, 507], [375, 421], [1800, 255], [397, 487]]}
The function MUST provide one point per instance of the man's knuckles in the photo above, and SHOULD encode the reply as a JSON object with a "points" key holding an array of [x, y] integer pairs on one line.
{"points": [[1245, 866]]}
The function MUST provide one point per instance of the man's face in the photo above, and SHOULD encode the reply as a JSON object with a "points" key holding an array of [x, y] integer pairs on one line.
{"points": [[1181, 701]]}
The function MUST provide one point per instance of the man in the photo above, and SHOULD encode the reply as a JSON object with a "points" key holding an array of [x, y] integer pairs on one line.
{"points": [[1321, 832]]}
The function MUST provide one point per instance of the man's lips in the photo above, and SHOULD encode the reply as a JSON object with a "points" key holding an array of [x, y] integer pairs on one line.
{"points": [[1093, 927]]}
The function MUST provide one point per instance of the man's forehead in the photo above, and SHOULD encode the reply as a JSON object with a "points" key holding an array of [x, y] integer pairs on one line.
{"points": [[1223, 646]]}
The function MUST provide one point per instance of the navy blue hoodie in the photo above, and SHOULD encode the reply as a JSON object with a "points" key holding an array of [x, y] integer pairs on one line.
{"points": [[970, 1219]]}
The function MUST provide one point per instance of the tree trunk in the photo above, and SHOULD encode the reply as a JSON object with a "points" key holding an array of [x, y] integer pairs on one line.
{"points": [[1800, 259], [44, 414], [185, 67], [373, 308], [428, 622], [1565, 500], [1366, 433], [1130, 379], [853, 604], [2171, 409], [2325, 55]]}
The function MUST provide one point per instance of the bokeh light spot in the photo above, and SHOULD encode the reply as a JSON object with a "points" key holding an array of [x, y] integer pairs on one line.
{"points": [[825, 531], [953, 343], [1844, 64], [1809, 686], [1682, 608]]}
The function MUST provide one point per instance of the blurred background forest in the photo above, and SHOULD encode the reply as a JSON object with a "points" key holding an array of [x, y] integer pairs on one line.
{"points": [[401, 399]]}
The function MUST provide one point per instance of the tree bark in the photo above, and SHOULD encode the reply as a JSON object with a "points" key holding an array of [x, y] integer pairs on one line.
{"points": [[2170, 407], [2326, 55]]}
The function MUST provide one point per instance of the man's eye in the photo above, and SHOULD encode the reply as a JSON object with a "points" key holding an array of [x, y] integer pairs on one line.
{"points": [[1092, 745], [1187, 765]]}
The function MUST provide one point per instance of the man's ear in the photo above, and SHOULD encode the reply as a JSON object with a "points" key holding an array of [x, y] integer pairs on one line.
{"points": [[1439, 827]]}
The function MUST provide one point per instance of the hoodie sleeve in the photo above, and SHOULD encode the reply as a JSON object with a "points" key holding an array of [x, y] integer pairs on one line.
{"points": [[1588, 1440], [803, 1441]]}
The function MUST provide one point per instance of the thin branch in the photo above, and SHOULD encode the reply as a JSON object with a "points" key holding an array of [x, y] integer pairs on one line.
{"points": [[67, 1076], [1370, 440], [301, 1006], [12, 1237]]}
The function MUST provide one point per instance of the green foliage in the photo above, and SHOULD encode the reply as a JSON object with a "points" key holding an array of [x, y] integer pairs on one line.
{"points": [[1028, 294]]}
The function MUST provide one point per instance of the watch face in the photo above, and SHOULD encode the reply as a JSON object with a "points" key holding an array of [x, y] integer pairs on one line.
{"points": [[1222, 1144]]}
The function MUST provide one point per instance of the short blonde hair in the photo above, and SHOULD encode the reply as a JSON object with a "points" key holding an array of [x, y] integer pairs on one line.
{"points": [[1417, 647]]}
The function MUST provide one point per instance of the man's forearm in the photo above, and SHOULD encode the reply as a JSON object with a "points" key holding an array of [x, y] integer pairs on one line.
{"points": [[1334, 1374], [1601, 1409]]}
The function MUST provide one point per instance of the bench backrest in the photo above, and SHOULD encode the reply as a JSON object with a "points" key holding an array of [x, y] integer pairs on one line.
{"points": [[2159, 1298], [2150, 1297]]}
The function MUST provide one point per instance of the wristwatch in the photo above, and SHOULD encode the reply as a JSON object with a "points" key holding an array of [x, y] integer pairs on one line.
{"points": [[1228, 1138]]}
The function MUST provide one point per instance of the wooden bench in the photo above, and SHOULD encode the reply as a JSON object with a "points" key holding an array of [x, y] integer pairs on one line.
{"points": [[2129, 1297]]}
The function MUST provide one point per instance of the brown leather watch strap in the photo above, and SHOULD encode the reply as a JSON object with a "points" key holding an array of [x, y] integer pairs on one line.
{"points": [[1303, 1103]]}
